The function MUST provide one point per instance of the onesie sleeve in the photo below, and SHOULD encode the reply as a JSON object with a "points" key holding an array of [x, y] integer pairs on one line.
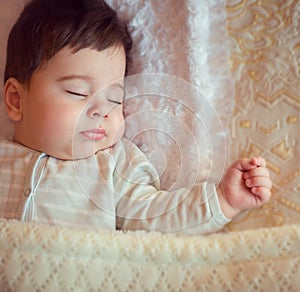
{"points": [[141, 205]]}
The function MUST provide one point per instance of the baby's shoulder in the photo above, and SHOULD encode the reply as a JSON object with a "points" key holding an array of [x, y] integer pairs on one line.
{"points": [[9, 148], [4, 141]]}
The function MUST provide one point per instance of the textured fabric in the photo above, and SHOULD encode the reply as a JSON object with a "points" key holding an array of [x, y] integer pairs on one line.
{"points": [[45, 258], [265, 54], [118, 187]]}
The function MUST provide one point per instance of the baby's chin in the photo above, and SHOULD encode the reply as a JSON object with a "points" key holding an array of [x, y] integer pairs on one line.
{"points": [[81, 153], [71, 153], [84, 151]]}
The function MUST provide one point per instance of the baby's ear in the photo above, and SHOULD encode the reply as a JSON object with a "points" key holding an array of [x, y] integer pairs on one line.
{"points": [[13, 100]]}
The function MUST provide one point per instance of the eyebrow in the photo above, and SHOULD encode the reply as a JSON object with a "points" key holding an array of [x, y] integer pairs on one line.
{"points": [[75, 76], [85, 78]]}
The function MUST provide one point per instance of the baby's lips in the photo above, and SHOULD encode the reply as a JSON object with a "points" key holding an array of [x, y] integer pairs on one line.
{"points": [[94, 134]]}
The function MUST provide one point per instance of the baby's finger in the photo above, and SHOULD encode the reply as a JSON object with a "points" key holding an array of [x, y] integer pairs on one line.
{"points": [[259, 161], [263, 193], [244, 164], [259, 181], [258, 171]]}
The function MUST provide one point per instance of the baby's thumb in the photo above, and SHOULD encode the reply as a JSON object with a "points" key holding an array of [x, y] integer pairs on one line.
{"points": [[245, 164]]}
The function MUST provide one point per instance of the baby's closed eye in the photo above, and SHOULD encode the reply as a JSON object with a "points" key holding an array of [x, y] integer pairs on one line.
{"points": [[115, 101], [77, 94]]}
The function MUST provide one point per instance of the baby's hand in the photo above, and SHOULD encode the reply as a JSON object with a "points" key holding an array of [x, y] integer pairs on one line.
{"points": [[245, 185]]}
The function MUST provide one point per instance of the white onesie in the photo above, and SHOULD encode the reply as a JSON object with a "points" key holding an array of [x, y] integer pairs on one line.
{"points": [[117, 188]]}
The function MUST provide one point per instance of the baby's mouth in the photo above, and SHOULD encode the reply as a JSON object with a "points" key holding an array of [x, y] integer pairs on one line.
{"points": [[94, 134]]}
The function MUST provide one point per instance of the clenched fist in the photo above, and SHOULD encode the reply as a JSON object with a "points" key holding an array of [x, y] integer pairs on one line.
{"points": [[245, 185]]}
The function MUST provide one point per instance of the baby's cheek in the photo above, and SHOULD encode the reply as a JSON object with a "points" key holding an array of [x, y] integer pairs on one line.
{"points": [[119, 129], [61, 124]]}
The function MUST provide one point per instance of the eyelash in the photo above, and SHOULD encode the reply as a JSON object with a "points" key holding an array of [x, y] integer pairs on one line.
{"points": [[76, 93], [85, 95], [114, 101]]}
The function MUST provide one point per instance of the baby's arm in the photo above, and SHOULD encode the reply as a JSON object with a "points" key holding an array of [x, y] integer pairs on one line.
{"points": [[141, 204], [245, 185]]}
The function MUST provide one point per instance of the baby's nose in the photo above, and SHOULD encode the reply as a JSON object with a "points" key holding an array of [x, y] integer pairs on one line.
{"points": [[97, 109]]}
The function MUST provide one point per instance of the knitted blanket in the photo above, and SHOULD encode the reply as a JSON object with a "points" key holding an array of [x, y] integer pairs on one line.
{"points": [[48, 258]]}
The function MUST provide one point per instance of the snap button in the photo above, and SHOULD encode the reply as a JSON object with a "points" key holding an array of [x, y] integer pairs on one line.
{"points": [[27, 192]]}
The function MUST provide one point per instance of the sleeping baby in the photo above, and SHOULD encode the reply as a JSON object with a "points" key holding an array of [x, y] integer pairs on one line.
{"points": [[68, 163]]}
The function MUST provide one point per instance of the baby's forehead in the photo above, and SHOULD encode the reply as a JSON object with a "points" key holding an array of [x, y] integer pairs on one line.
{"points": [[77, 53], [90, 67]]}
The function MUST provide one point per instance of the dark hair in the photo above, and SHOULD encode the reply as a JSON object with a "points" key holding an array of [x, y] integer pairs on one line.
{"points": [[47, 26]]}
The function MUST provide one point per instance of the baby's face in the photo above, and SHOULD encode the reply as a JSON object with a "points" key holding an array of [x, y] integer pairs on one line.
{"points": [[74, 104]]}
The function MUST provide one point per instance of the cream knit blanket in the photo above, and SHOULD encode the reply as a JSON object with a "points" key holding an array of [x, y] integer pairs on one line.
{"points": [[48, 258]]}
